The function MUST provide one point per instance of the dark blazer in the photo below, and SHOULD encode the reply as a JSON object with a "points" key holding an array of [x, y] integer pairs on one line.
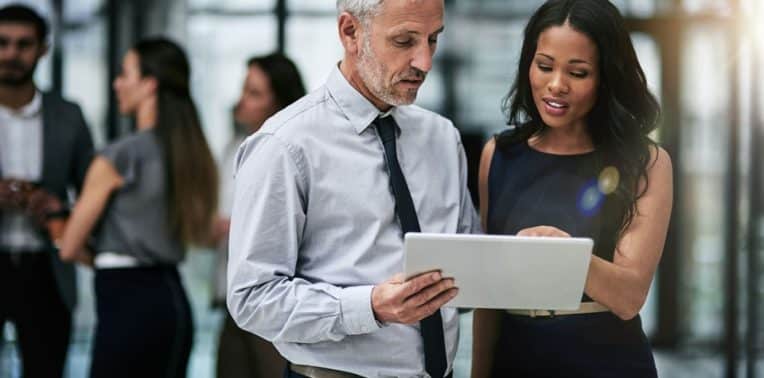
{"points": [[67, 151]]}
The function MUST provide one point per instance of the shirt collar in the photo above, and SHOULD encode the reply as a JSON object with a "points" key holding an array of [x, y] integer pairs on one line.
{"points": [[30, 110], [357, 108]]}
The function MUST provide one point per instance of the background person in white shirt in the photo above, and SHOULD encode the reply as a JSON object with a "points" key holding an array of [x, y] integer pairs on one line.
{"points": [[45, 149], [324, 193]]}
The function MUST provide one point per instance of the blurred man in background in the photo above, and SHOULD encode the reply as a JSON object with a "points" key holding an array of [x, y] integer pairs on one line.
{"points": [[45, 149]]}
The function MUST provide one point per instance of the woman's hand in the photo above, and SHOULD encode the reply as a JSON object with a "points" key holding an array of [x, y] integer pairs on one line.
{"points": [[544, 231]]}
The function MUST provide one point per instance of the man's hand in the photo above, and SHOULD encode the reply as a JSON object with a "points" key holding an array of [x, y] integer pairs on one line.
{"points": [[407, 302], [14, 194], [544, 231], [40, 203]]}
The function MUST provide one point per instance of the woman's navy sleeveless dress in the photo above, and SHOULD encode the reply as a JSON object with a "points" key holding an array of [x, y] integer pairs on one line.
{"points": [[530, 188]]}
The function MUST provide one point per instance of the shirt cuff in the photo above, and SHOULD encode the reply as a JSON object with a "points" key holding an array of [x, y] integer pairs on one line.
{"points": [[355, 307]]}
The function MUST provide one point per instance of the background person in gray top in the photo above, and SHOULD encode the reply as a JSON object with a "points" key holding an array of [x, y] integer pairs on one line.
{"points": [[152, 193], [45, 149], [317, 232]]}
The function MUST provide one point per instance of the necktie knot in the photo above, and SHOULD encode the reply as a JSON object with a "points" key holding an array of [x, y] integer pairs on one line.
{"points": [[385, 128]]}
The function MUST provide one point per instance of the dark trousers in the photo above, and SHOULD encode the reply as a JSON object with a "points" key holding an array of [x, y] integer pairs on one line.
{"points": [[598, 345], [29, 298], [144, 324], [244, 355]]}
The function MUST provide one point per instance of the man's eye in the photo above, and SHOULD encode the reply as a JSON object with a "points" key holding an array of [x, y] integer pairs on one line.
{"points": [[24, 44], [402, 42]]}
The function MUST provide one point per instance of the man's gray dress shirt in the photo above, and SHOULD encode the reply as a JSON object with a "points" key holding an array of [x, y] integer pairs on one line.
{"points": [[314, 228]]}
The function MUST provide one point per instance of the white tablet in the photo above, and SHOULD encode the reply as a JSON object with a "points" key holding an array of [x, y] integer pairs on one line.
{"points": [[504, 272]]}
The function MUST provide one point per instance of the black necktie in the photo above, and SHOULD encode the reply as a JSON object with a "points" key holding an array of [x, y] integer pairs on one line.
{"points": [[431, 326]]}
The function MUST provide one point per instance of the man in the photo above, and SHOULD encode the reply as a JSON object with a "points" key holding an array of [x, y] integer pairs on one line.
{"points": [[326, 190], [45, 149]]}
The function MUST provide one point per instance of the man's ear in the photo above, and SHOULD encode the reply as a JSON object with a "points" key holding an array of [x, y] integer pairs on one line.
{"points": [[44, 48], [350, 32]]}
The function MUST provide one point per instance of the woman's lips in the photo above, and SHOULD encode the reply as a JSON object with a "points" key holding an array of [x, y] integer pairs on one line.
{"points": [[555, 107]]}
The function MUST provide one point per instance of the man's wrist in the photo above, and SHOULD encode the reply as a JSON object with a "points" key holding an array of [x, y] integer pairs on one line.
{"points": [[357, 314], [61, 213]]}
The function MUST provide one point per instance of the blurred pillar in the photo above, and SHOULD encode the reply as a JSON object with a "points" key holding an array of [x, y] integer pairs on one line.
{"points": [[57, 55], [281, 19], [755, 214], [732, 218]]}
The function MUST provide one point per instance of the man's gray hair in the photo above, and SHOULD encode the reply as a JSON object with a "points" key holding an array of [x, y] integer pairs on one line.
{"points": [[364, 10]]}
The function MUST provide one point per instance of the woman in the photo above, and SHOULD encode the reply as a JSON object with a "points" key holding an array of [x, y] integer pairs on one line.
{"points": [[148, 207], [579, 163], [272, 83]]}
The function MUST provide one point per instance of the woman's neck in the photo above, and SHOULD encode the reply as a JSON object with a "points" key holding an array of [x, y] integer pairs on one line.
{"points": [[563, 141], [146, 115]]}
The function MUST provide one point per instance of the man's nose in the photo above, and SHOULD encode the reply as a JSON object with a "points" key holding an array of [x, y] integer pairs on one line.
{"points": [[423, 58]]}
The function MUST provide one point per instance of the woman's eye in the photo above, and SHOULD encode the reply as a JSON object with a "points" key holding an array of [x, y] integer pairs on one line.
{"points": [[580, 74], [544, 68]]}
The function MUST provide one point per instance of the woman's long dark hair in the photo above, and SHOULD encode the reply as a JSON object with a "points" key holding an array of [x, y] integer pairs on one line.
{"points": [[625, 111], [191, 174], [286, 82]]}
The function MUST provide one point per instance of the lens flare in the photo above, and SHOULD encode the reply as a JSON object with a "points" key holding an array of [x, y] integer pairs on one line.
{"points": [[608, 180], [590, 198]]}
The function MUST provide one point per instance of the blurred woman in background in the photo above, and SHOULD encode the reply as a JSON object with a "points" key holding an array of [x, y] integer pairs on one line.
{"points": [[272, 83], [146, 197]]}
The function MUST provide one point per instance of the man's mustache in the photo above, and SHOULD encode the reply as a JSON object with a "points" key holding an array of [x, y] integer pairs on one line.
{"points": [[12, 64], [413, 74]]}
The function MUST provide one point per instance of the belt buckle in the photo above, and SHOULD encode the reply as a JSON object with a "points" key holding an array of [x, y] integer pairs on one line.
{"points": [[540, 313]]}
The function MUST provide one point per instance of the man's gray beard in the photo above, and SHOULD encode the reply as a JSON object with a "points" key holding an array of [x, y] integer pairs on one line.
{"points": [[372, 73]]}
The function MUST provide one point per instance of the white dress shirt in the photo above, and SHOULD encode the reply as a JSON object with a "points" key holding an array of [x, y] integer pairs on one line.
{"points": [[21, 159], [314, 228]]}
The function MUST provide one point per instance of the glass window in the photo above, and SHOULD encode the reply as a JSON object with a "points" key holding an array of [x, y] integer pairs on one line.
{"points": [[312, 5], [704, 145], [707, 6], [228, 5], [487, 68], [86, 76], [81, 9], [525, 7], [314, 45]]}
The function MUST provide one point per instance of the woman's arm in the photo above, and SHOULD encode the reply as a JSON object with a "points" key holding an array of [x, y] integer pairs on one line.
{"points": [[486, 324], [101, 180], [622, 285]]}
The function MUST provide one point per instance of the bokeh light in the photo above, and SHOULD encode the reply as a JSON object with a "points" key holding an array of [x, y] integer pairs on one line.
{"points": [[608, 180]]}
